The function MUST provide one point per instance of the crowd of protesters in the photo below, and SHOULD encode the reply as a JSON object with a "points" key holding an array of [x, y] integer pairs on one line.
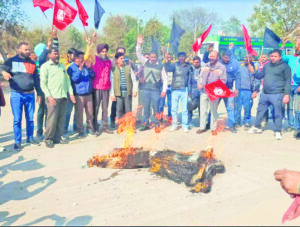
{"points": [[86, 81]]}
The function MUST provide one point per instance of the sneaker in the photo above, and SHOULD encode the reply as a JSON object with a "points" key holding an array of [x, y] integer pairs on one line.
{"points": [[80, 135], [2, 149], [199, 131], [95, 133], [239, 125], [289, 129], [40, 137], [278, 136], [247, 126], [254, 130], [144, 128], [49, 143], [61, 141], [17, 147], [173, 128], [106, 130], [33, 142], [297, 134], [113, 124], [65, 136], [186, 130], [207, 126]]}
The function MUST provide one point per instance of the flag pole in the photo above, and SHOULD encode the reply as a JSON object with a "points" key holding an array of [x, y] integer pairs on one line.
{"points": [[85, 30]]}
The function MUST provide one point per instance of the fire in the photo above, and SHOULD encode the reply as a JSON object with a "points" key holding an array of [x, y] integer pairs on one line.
{"points": [[208, 153], [127, 124]]}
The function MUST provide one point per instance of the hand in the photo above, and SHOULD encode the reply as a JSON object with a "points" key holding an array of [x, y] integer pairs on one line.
{"points": [[140, 40], [81, 65], [200, 86], [54, 32], [297, 44], [51, 100], [236, 92], [49, 44], [284, 40], [286, 99], [231, 46], [298, 89], [88, 41], [113, 98], [251, 69], [73, 99], [88, 63], [134, 94], [254, 95], [163, 94], [39, 100], [289, 180], [94, 37], [6, 75], [206, 69]]}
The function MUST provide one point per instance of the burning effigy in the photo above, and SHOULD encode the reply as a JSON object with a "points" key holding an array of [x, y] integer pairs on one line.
{"points": [[196, 170]]}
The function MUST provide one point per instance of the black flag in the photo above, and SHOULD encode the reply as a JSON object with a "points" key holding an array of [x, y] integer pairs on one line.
{"points": [[176, 33], [271, 40], [155, 45]]}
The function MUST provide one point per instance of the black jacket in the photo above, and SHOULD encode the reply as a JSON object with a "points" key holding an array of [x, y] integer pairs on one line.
{"points": [[277, 78]]}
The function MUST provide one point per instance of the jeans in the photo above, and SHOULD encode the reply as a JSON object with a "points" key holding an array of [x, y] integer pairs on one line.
{"points": [[230, 104], [68, 116], [151, 97], [41, 116], [297, 110], [113, 111], [264, 102], [162, 103], [244, 101], [18, 100], [290, 107], [180, 95]]}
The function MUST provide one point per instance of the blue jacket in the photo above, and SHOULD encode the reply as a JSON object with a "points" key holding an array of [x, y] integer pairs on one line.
{"points": [[294, 63], [246, 80], [81, 80], [232, 71]]}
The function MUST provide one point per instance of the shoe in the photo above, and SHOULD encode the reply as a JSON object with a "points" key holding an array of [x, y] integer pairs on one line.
{"points": [[207, 126], [191, 126], [95, 133], [278, 136], [297, 134], [173, 128], [17, 147], [2, 149], [289, 129], [199, 131], [239, 125], [186, 130], [247, 126], [113, 124], [49, 143], [40, 137], [106, 130], [214, 132], [33, 142], [80, 135], [254, 130], [61, 141], [65, 136], [144, 128]]}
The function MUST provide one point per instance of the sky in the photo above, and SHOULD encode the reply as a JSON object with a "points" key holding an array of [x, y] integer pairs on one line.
{"points": [[146, 9]]}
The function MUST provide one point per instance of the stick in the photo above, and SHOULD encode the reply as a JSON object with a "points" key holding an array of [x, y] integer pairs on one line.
{"points": [[85, 30]]}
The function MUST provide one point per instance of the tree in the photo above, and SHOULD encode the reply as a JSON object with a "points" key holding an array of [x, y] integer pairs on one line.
{"points": [[11, 24], [281, 16], [232, 27]]}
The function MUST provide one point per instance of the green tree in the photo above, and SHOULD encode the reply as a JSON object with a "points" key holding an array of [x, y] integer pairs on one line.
{"points": [[281, 16], [232, 27], [11, 25]]}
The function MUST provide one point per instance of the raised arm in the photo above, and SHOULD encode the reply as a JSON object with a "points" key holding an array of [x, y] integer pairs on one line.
{"points": [[139, 54]]}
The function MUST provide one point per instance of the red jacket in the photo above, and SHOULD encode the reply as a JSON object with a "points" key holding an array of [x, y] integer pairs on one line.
{"points": [[102, 69]]}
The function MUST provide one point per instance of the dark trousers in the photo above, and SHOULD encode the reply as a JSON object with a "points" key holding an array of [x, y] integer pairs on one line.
{"points": [[124, 105], [264, 102], [18, 102], [98, 97], [84, 103], [56, 119], [140, 110], [151, 97], [113, 111], [70, 105], [41, 116]]}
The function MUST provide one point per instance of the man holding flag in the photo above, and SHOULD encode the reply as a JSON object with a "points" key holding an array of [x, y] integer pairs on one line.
{"points": [[212, 72]]}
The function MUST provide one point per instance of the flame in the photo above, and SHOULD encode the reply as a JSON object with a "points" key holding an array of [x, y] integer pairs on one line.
{"points": [[199, 187], [127, 124], [208, 154], [122, 156]]}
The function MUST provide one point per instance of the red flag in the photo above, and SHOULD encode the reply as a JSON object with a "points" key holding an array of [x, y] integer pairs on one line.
{"points": [[43, 4], [218, 89], [198, 43], [82, 13], [248, 42], [63, 15]]}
